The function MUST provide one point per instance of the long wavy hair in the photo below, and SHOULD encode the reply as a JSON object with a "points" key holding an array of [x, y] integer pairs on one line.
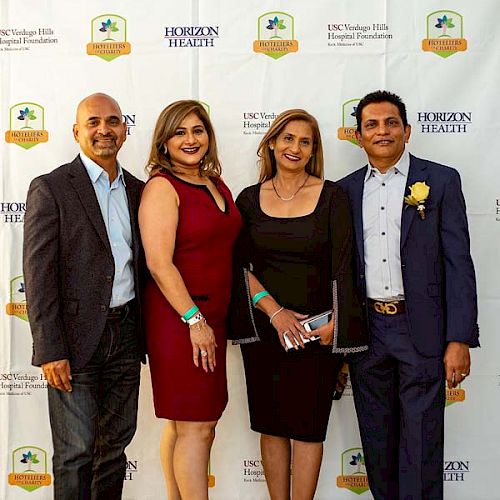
{"points": [[168, 122], [267, 162]]}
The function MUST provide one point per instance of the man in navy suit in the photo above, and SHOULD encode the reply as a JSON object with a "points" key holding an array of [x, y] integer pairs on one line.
{"points": [[416, 280], [81, 267]]}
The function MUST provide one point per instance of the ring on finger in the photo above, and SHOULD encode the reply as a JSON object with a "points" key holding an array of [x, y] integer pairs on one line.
{"points": [[464, 374], [204, 354]]}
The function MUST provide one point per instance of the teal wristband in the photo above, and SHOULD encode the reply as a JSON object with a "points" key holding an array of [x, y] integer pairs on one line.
{"points": [[258, 296], [190, 313]]}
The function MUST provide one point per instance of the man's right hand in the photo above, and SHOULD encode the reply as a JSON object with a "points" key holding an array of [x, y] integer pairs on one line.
{"points": [[58, 374]]}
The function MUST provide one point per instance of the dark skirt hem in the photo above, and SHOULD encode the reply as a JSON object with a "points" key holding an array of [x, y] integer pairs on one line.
{"points": [[190, 418], [306, 439], [184, 419]]}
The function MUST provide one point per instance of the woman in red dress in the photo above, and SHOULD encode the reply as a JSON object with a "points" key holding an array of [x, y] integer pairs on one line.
{"points": [[189, 224]]}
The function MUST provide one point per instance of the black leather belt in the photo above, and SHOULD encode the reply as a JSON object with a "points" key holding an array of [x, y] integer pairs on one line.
{"points": [[390, 307], [119, 312]]}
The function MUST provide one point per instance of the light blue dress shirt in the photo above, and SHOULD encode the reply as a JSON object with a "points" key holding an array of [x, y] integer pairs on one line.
{"points": [[114, 209], [383, 197]]}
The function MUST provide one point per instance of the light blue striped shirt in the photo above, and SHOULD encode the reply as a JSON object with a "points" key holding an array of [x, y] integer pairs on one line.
{"points": [[114, 209]]}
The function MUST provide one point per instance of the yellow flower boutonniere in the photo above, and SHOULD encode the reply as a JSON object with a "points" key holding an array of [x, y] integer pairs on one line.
{"points": [[419, 193]]}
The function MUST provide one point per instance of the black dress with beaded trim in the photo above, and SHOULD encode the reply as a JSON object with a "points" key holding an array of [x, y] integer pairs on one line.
{"points": [[295, 259]]}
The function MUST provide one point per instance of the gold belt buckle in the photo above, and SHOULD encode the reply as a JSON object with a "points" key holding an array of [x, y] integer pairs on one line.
{"points": [[385, 308]]}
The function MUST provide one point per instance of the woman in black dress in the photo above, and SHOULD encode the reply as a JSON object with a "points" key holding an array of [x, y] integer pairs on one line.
{"points": [[293, 260]]}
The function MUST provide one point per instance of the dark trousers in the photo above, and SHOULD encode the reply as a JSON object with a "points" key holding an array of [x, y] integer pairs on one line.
{"points": [[92, 425], [399, 397]]}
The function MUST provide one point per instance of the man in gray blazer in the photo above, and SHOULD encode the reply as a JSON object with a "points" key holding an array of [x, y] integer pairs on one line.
{"points": [[81, 268]]}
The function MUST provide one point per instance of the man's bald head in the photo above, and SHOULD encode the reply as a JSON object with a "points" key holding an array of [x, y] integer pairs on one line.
{"points": [[99, 128], [98, 96]]}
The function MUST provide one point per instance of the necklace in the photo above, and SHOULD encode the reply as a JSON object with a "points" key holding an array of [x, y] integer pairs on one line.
{"points": [[293, 195]]}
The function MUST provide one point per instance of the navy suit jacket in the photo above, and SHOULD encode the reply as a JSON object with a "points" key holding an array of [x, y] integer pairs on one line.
{"points": [[438, 273], [68, 264]]}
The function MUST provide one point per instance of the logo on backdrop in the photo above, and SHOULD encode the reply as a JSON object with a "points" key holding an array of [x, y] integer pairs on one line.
{"points": [[455, 470], [17, 296], [108, 37], [497, 211], [21, 384], [17, 39], [252, 471], [456, 395], [348, 130], [26, 125], [444, 122], [353, 474], [131, 469], [445, 33], [356, 35], [130, 122], [29, 468], [12, 211], [211, 477], [257, 122], [191, 36], [275, 35]]}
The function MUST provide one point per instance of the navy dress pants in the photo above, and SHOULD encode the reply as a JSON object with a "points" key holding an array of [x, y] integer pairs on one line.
{"points": [[399, 397]]}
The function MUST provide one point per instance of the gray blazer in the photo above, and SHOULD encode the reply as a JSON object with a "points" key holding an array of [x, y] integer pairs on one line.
{"points": [[68, 265]]}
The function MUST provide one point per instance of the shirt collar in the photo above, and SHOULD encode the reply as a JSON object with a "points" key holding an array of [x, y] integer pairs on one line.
{"points": [[402, 166], [95, 171]]}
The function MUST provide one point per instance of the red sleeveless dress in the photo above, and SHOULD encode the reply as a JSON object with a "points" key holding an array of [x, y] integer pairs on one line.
{"points": [[203, 255]]}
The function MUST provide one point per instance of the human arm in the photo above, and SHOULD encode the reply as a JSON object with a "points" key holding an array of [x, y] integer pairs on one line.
{"points": [[283, 320], [40, 268], [342, 292], [158, 219], [341, 258], [460, 283], [244, 323], [58, 374], [456, 363], [325, 332]]}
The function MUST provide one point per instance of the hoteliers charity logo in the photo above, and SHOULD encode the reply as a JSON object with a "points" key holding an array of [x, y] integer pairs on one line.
{"points": [[275, 32], [456, 395], [108, 37], [347, 132], [26, 125], [445, 33], [29, 468], [353, 474], [17, 294]]}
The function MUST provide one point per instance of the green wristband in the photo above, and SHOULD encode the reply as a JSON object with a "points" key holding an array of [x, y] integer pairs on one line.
{"points": [[190, 313], [258, 296]]}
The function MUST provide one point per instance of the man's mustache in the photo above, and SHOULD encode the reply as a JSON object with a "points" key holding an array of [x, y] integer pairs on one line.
{"points": [[107, 136]]}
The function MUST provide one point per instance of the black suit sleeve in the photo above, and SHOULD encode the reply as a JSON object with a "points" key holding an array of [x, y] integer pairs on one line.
{"points": [[40, 267]]}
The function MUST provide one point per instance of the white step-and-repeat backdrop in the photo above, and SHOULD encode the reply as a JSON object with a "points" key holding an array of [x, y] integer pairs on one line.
{"points": [[247, 61]]}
